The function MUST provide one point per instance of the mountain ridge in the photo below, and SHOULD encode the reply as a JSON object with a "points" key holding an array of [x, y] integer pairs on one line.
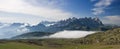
{"points": [[69, 24]]}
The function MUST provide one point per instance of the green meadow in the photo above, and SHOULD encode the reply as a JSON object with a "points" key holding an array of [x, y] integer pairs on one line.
{"points": [[15, 45]]}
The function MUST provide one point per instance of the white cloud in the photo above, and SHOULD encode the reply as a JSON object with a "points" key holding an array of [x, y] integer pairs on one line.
{"points": [[22, 6], [71, 34], [100, 6], [112, 20], [102, 3], [32, 20], [2, 25], [9, 30], [48, 3], [98, 11], [23, 29]]}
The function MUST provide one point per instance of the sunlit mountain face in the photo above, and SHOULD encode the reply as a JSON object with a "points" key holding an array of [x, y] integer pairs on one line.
{"points": [[19, 17]]}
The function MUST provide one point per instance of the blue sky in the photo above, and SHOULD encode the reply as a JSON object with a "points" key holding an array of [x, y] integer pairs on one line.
{"points": [[81, 7], [35, 11]]}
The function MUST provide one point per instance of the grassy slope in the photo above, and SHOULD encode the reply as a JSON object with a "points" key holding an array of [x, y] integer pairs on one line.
{"points": [[15, 45], [108, 37]]}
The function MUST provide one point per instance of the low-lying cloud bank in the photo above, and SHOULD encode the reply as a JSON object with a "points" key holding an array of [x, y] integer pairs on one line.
{"points": [[70, 34]]}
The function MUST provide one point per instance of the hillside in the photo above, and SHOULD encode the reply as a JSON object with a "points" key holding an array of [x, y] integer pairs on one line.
{"points": [[17, 45], [108, 37]]}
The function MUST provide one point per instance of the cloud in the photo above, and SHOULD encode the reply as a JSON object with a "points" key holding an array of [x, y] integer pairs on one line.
{"points": [[111, 19], [2, 25], [71, 34], [7, 32], [48, 3], [100, 6], [47, 9], [20, 18], [23, 29]]}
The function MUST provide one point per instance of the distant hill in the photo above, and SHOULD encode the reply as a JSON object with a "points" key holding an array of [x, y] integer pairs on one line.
{"points": [[32, 35]]}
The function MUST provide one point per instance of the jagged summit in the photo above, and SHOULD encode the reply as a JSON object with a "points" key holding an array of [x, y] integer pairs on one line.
{"points": [[96, 18]]}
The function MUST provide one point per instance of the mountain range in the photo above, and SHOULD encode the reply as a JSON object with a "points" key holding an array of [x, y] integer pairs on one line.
{"points": [[86, 24], [68, 24]]}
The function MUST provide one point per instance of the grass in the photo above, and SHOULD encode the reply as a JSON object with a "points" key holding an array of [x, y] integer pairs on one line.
{"points": [[93, 47], [16, 45]]}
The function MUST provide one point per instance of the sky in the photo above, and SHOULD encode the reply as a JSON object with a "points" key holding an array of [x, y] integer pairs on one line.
{"points": [[35, 11]]}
